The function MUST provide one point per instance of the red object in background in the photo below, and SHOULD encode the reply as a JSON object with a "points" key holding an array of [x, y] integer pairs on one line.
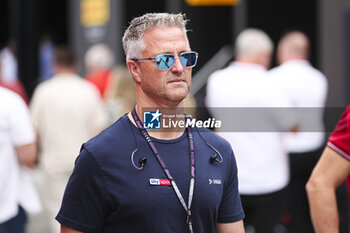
{"points": [[340, 139], [17, 87], [100, 80]]}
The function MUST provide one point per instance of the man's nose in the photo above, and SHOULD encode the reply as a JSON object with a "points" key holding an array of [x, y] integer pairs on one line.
{"points": [[177, 67]]}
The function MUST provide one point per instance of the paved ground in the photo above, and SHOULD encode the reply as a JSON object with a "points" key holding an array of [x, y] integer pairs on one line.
{"points": [[38, 223]]}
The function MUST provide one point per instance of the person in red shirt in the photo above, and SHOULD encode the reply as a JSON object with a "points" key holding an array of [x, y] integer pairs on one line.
{"points": [[99, 61], [332, 169]]}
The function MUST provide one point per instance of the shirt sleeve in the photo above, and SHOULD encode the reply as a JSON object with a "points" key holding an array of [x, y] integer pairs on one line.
{"points": [[340, 137], [85, 202], [22, 131], [231, 209]]}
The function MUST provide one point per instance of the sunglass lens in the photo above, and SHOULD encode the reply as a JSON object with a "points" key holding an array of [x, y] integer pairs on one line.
{"points": [[165, 62], [189, 59]]}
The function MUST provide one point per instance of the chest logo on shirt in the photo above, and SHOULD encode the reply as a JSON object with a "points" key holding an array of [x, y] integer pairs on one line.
{"points": [[213, 181], [154, 181]]}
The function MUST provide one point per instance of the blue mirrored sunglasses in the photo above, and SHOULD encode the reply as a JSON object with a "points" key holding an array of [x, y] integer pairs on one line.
{"points": [[166, 61]]}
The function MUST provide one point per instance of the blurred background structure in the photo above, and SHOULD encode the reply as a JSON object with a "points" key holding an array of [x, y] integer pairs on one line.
{"points": [[82, 23]]}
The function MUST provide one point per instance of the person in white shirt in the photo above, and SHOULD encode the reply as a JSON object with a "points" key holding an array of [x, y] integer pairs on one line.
{"points": [[66, 111], [17, 151], [306, 87], [262, 161]]}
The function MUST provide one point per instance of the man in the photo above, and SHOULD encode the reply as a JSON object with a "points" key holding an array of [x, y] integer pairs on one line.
{"points": [[306, 87], [332, 169], [13, 84], [66, 111], [243, 91], [99, 61], [17, 149], [9, 72], [129, 179]]}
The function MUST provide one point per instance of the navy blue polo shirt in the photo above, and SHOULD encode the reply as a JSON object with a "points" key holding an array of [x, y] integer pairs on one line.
{"points": [[106, 193]]}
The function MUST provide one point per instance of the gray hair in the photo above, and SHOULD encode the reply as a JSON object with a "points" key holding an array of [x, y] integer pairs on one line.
{"points": [[99, 56], [252, 41], [133, 43]]}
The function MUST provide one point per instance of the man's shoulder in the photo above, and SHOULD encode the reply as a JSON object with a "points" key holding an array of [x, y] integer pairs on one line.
{"points": [[115, 136], [291, 67], [83, 84], [87, 84], [8, 93], [68, 83], [221, 73], [45, 87], [286, 69], [221, 80], [10, 97]]}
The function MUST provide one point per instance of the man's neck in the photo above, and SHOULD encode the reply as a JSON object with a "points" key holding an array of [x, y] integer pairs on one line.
{"points": [[173, 113]]}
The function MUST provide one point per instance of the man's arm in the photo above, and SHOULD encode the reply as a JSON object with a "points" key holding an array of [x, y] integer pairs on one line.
{"points": [[330, 171], [65, 229], [234, 227], [27, 154]]}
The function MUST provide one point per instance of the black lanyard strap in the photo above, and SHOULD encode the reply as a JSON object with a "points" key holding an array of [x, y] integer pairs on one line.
{"points": [[148, 139]]}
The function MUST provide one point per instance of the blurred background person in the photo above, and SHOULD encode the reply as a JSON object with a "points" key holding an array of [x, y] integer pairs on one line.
{"points": [[190, 106], [66, 111], [120, 94], [262, 160], [331, 170], [306, 88], [17, 151], [99, 61], [46, 57], [8, 71]]}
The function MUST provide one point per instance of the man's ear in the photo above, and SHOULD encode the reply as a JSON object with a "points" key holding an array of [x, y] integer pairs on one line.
{"points": [[134, 69]]}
